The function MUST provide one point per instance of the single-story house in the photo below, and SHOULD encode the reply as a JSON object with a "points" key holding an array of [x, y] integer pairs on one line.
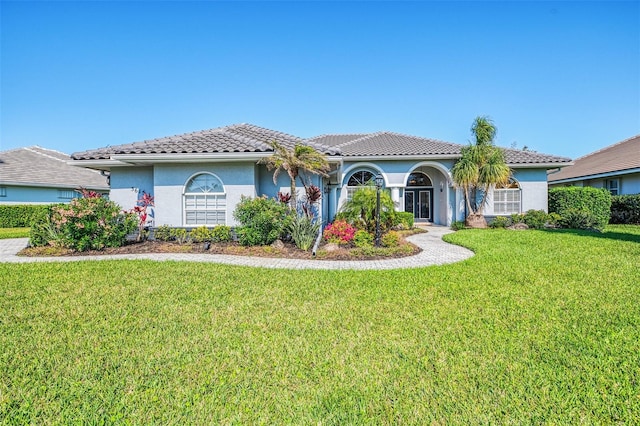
{"points": [[616, 167], [36, 175], [198, 178]]}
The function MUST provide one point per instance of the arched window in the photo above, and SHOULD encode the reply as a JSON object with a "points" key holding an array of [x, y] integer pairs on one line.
{"points": [[419, 179], [205, 201], [359, 178], [507, 198]]}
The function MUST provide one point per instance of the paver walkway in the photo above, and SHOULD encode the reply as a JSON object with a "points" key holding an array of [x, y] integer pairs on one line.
{"points": [[434, 252]]}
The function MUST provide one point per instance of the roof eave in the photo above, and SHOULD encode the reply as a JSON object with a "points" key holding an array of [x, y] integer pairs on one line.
{"points": [[538, 165], [53, 185], [597, 176], [402, 157]]}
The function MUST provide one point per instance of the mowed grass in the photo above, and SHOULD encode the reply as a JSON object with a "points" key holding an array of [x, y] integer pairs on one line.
{"points": [[539, 327], [14, 232]]}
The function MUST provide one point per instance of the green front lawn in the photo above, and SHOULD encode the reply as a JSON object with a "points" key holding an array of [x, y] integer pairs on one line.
{"points": [[14, 233], [538, 327]]}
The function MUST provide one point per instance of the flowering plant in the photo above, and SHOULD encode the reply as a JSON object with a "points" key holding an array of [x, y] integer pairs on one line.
{"points": [[339, 232], [140, 210]]}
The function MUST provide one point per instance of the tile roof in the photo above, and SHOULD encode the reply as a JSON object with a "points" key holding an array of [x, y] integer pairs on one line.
{"points": [[240, 138], [621, 156], [234, 138], [397, 144], [40, 166]]}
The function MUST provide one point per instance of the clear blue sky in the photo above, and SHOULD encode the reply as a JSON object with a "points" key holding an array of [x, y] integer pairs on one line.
{"points": [[558, 77]]}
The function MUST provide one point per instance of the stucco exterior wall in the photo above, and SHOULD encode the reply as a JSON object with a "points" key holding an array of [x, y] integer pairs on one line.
{"points": [[534, 191], [10, 194], [628, 183], [128, 182], [169, 181]]}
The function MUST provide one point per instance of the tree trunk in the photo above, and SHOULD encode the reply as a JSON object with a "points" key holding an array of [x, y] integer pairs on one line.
{"points": [[475, 221]]}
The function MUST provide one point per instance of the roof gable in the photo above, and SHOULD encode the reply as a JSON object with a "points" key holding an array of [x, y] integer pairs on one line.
{"points": [[620, 156]]}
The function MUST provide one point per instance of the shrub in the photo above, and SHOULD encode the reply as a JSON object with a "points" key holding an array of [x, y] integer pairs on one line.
{"points": [[362, 239], [339, 232], [22, 216], [581, 207], [162, 233], [200, 234], [403, 220], [458, 225], [180, 235], [625, 209], [500, 222], [536, 219], [390, 239], [360, 211], [88, 223], [221, 234], [263, 220], [303, 231]]}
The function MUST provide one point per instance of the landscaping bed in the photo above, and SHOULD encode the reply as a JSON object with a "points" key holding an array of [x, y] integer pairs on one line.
{"points": [[284, 250]]}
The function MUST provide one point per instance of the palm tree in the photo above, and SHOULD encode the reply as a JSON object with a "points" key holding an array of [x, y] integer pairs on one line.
{"points": [[296, 160], [481, 166]]}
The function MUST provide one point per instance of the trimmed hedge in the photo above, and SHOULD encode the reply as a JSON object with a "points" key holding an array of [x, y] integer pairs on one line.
{"points": [[22, 215], [625, 209], [581, 207]]}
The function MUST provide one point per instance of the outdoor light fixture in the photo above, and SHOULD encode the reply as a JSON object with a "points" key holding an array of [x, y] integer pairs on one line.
{"points": [[441, 186], [379, 183]]}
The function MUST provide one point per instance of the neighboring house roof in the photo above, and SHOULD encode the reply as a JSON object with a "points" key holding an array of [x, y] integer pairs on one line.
{"points": [[37, 166], [614, 159], [247, 138], [234, 138]]}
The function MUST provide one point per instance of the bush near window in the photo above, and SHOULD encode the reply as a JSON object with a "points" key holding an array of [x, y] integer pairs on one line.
{"points": [[534, 219], [263, 220], [22, 216], [625, 209], [500, 222], [221, 234], [200, 234], [303, 231], [581, 207], [162, 233], [88, 223]]}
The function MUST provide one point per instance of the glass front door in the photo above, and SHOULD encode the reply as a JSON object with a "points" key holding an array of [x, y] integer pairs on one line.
{"points": [[419, 202]]}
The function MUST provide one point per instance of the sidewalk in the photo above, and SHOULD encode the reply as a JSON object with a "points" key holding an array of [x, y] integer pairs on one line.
{"points": [[434, 252]]}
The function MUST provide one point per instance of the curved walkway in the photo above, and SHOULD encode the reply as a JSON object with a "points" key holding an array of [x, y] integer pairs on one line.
{"points": [[434, 252]]}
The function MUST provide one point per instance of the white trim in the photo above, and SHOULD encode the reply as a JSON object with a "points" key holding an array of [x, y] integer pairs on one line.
{"points": [[186, 194], [365, 166], [53, 185], [442, 169], [597, 176]]}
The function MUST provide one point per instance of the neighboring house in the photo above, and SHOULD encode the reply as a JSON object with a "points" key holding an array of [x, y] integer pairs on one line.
{"points": [[616, 167], [36, 175], [198, 178]]}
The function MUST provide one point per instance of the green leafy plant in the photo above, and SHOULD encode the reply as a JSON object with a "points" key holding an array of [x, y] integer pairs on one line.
{"points": [[581, 207], [221, 234], [360, 211], [263, 220], [625, 209], [390, 239], [339, 232], [162, 233], [303, 231], [403, 220], [200, 234], [22, 216], [458, 225], [363, 239], [88, 223], [180, 235], [500, 222]]}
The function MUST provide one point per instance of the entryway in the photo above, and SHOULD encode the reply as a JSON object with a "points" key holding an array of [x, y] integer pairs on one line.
{"points": [[419, 201]]}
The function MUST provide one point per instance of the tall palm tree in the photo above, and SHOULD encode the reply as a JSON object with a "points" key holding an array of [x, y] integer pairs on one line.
{"points": [[481, 166], [296, 160]]}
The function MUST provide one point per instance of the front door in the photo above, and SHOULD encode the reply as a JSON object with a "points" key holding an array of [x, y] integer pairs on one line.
{"points": [[419, 202]]}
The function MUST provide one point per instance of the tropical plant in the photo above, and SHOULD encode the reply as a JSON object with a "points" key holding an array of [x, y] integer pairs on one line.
{"points": [[303, 231], [180, 235], [339, 232], [481, 166], [363, 239], [360, 210], [144, 202], [391, 239], [221, 234], [295, 161], [200, 234], [162, 233]]}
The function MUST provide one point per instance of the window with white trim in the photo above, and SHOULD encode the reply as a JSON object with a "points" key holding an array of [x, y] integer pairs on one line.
{"points": [[205, 201], [67, 194], [613, 185], [507, 199], [359, 178]]}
